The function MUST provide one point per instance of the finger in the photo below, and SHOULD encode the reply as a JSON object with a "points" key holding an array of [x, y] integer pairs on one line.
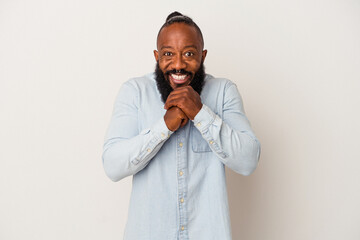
{"points": [[186, 89], [174, 101], [183, 90], [180, 115], [171, 104], [182, 93], [184, 122], [179, 102]]}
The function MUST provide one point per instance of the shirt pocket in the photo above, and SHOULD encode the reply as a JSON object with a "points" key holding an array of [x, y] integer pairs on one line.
{"points": [[198, 143]]}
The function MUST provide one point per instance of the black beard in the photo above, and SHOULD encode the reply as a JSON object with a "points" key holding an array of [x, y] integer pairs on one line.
{"points": [[165, 88]]}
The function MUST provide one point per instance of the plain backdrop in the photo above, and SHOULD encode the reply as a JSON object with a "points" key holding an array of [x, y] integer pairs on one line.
{"points": [[295, 62]]}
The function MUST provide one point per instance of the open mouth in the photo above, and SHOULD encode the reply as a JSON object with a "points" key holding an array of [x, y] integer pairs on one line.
{"points": [[179, 78]]}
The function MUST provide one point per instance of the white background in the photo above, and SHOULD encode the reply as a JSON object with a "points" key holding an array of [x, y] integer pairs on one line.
{"points": [[296, 64]]}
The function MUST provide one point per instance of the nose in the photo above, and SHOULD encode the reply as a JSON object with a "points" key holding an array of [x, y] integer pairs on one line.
{"points": [[178, 62]]}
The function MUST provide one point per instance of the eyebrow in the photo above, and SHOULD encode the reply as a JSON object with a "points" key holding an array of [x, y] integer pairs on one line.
{"points": [[165, 47], [189, 46]]}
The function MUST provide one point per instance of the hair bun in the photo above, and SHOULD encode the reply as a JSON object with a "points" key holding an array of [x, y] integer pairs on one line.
{"points": [[173, 14]]}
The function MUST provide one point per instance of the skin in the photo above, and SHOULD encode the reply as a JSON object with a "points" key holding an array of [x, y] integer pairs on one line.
{"points": [[180, 48]]}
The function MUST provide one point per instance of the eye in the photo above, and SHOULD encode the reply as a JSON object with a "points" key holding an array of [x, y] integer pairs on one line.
{"points": [[167, 54], [189, 54]]}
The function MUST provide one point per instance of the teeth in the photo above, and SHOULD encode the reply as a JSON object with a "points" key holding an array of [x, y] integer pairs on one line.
{"points": [[178, 77]]}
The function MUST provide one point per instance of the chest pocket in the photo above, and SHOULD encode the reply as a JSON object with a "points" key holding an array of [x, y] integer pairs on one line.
{"points": [[198, 143]]}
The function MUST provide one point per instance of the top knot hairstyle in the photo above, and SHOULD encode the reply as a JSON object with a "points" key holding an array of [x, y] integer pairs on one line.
{"points": [[176, 17]]}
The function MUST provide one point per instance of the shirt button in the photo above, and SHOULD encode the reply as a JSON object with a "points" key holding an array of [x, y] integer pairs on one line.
{"points": [[181, 200], [181, 144], [182, 228], [181, 173], [162, 134], [198, 124], [211, 142], [149, 150]]}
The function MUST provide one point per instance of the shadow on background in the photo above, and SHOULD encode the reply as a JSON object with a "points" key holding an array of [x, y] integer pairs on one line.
{"points": [[245, 198]]}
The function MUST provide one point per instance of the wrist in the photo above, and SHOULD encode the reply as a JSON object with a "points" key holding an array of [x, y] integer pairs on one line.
{"points": [[196, 112]]}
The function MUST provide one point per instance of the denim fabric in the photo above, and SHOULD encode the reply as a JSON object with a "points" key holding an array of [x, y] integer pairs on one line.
{"points": [[179, 186]]}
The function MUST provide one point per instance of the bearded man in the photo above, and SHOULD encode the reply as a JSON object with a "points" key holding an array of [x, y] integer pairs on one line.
{"points": [[175, 130]]}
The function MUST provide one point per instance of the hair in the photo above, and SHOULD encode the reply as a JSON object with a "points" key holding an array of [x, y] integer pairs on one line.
{"points": [[176, 17]]}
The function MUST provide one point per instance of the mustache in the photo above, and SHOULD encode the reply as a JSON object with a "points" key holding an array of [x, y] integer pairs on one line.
{"points": [[181, 71], [163, 84]]}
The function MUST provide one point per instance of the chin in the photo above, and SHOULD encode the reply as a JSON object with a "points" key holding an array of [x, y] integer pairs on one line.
{"points": [[175, 85], [164, 83]]}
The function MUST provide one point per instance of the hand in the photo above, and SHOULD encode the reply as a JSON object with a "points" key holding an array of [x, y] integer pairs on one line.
{"points": [[185, 98], [175, 118]]}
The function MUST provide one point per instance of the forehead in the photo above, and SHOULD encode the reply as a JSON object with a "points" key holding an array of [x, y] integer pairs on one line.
{"points": [[179, 35]]}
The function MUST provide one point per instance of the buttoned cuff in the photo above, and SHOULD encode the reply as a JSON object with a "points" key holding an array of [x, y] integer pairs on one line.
{"points": [[159, 133], [202, 121], [204, 118], [160, 130]]}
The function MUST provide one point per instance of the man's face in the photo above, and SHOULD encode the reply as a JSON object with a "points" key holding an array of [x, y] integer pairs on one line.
{"points": [[179, 53]]}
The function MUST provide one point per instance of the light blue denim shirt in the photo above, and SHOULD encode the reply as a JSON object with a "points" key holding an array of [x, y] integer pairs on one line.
{"points": [[178, 186]]}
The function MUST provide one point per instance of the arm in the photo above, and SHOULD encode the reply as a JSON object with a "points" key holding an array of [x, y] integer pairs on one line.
{"points": [[126, 150], [231, 137]]}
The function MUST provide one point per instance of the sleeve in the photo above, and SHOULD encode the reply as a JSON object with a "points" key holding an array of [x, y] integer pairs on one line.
{"points": [[126, 150], [230, 137]]}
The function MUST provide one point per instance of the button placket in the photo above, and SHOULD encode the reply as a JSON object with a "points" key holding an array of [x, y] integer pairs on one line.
{"points": [[181, 176]]}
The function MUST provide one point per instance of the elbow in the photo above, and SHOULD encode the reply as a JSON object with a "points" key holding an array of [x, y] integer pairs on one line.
{"points": [[111, 173], [249, 161], [113, 168], [248, 170], [253, 159], [113, 177], [245, 168]]}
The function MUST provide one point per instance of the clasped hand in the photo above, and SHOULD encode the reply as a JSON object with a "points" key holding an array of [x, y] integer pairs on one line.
{"points": [[182, 104]]}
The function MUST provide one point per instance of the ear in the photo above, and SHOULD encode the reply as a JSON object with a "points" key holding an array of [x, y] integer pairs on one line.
{"points": [[203, 55], [156, 55]]}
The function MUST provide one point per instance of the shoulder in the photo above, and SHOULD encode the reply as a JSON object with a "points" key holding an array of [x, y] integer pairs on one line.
{"points": [[219, 83], [217, 92], [142, 82], [143, 88]]}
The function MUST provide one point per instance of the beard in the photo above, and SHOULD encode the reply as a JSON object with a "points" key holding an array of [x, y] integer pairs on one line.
{"points": [[165, 88]]}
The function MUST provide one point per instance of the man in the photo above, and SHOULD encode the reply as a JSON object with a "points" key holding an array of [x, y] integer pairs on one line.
{"points": [[174, 131]]}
